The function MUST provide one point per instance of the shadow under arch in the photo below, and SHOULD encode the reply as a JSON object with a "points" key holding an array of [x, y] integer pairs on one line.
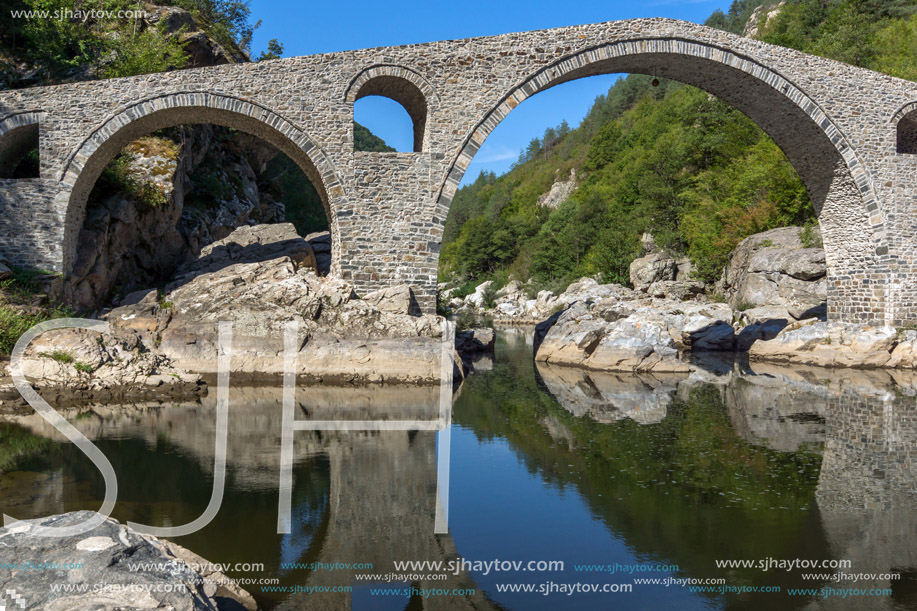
{"points": [[85, 164], [853, 225]]}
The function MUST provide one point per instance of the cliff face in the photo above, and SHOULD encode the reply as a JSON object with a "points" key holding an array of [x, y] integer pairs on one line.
{"points": [[161, 201]]}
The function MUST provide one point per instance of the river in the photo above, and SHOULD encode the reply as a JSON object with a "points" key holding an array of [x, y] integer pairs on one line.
{"points": [[624, 479]]}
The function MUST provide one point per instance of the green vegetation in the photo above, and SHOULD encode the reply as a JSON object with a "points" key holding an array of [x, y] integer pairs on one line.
{"points": [[366, 141], [60, 356], [18, 309], [671, 160], [76, 41], [303, 206], [117, 179]]}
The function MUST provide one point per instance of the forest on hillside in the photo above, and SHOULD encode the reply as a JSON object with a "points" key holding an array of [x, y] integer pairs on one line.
{"points": [[668, 159]]}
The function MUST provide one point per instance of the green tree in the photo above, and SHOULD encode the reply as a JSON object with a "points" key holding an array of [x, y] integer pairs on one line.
{"points": [[274, 51], [146, 52]]}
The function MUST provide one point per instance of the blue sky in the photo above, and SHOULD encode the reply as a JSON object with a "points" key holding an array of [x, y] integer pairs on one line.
{"points": [[306, 28]]}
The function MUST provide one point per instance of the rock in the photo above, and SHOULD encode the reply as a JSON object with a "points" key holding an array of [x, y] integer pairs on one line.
{"points": [[253, 244], [830, 344], [5, 272], [762, 314], [79, 365], [474, 341], [175, 578], [773, 269], [478, 297], [560, 191], [259, 278], [904, 354], [577, 337], [675, 289], [760, 16], [654, 267], [397, 299]]}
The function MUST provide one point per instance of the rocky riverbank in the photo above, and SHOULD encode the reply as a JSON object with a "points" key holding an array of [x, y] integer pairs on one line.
{"points": [[770, 303], [162, 343]]}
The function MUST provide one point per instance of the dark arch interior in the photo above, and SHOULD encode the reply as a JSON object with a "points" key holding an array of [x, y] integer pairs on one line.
{"points": [[405, 93], [151, 197], [907, 134], [163, 119], [19, 152]]}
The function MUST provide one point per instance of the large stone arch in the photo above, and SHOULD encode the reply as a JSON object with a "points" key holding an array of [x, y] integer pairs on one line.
{"points": [[841, 187], [87, 161]]}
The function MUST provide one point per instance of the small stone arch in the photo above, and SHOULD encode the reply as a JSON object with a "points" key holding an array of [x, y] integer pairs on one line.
{"points": [[905, 122], [86, 163], [412, 91], [19, 133]]}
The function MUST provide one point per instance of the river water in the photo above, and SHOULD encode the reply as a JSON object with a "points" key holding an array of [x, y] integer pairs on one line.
{"points": [[624, 479]]}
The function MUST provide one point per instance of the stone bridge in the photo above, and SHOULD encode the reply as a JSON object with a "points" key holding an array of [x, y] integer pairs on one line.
{"points": [[850, 133]]}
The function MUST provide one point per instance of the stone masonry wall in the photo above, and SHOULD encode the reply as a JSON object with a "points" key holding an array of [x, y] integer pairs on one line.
{"points": [[836, 123]]}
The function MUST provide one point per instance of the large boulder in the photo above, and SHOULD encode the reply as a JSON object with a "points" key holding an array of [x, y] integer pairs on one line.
{"points": [[640, 335], [773, 269], [830, 344], [478, 298], [321, 246], [104, 560], [261, 277], [652, 268], [661, 275]]}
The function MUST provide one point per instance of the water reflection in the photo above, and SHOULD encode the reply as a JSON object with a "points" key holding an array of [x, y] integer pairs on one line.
{"points": [[738, 461]]}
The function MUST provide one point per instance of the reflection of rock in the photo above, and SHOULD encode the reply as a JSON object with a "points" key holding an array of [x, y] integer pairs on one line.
{"points": [[607, 397], [104, 556]]}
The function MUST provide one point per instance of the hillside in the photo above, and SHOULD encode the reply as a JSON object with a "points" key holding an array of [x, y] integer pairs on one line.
{"points": [[669, 159]]}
